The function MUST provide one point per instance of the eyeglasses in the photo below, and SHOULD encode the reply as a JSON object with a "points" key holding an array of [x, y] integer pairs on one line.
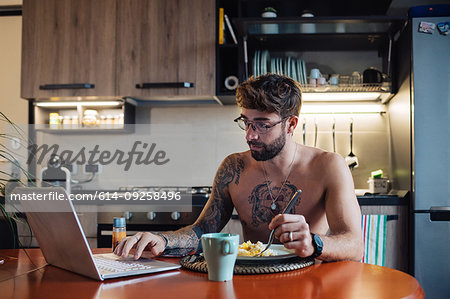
{"points": [[257, 126]]}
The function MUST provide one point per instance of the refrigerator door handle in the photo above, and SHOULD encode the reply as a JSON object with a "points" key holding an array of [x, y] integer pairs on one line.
{"points": [[440, 213]]}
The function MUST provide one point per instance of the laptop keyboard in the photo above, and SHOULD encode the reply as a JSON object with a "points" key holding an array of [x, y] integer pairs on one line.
{"points": [[117, 266]]}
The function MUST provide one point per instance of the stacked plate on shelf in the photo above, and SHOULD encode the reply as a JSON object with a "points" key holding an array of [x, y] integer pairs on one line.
{"points": [[289, 66]]}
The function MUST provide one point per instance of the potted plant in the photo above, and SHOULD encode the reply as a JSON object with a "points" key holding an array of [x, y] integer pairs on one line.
{"points": [[8, 181]]}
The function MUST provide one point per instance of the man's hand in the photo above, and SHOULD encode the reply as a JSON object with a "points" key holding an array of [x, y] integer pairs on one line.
{"points": [[294, 233], [146, 244]]}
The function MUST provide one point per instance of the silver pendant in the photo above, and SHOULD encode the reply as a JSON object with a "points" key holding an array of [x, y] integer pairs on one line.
{"points": [[273, 206]]}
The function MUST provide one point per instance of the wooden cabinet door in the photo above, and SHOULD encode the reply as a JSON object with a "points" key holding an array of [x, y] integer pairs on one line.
{"points": [[68, 42], [166, 41]]}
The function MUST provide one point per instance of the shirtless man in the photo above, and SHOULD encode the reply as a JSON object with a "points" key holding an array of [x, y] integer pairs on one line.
{"points": [[326, 221]]}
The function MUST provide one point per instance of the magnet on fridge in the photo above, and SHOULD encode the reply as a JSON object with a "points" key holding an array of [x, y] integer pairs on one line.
{"points": [[443, 28], [427, 27]]}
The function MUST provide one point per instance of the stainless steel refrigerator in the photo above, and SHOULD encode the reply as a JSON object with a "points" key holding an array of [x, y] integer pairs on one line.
{"points": [[430, 85]]}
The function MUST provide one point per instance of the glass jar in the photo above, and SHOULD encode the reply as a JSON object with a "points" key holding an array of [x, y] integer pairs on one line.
{"points": [[54, 121], [119, 231], [90, 118]]}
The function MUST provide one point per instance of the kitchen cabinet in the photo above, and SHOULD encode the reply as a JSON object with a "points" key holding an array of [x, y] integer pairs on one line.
{"points": [[166, 48], [68, 48], [109, 49], [333, 44]]}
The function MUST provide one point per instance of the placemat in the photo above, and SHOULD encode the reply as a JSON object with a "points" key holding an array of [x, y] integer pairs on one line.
{"points": [[197, 263]]}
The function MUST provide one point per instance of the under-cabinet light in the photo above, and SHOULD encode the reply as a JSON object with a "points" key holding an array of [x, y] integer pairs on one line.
{"points": [[341, 108], [340, 96], [75, 104]]}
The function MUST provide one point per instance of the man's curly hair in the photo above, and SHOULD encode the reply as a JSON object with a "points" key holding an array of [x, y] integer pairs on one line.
{"points": [[270, 93]]}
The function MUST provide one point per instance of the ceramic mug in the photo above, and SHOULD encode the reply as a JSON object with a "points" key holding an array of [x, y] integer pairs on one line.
{"points": [[334, 79], [220, 251], [315, 74], [372, 76], [321, 81]]}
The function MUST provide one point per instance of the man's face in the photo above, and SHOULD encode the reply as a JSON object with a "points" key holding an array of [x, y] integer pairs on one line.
{"points": [[264, 145]]}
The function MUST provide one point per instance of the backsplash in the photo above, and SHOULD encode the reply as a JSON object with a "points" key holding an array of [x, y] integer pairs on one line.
{"points": [[209, 134]]}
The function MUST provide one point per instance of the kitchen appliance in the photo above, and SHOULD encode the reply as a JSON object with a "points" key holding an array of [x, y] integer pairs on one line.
{"points": [[55, 174], [430, 94], [151, 220]]}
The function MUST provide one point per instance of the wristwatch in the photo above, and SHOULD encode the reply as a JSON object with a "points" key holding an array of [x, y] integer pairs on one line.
{"points": [[318, 245]]}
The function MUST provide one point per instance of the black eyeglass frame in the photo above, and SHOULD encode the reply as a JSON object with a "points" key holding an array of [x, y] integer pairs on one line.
{"points": [[251, 123]]}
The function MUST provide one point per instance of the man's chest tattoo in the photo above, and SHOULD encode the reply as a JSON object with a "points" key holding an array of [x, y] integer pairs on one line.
{"points": [[261, 202]]}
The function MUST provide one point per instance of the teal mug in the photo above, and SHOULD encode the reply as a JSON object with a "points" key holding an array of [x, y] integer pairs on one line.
{"points": [[220, 252]]}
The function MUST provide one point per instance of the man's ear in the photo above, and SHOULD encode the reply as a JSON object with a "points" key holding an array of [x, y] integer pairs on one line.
{"points": [[292, 124]]}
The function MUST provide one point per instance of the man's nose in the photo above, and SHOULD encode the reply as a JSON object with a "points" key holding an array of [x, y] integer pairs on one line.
{"points": [[250, 133]]}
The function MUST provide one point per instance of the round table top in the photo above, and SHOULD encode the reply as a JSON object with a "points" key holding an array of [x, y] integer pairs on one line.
{"points": [[346, 279]]}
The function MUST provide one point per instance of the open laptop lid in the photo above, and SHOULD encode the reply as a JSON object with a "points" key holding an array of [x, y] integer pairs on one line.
{"points": [[58, 231]]}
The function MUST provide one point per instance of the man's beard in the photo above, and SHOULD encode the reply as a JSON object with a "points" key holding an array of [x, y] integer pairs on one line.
{"points": [[268, 151]]}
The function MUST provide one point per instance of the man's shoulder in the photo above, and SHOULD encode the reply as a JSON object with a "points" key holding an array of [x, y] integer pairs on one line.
{"points": [[240, 158], [324, 160]]}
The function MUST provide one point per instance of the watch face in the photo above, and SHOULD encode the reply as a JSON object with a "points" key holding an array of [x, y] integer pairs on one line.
{"points": [[319, 242], [318, 245]]}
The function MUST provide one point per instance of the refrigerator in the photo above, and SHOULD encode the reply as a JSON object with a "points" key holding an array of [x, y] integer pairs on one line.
{"points": [[430, 124]]}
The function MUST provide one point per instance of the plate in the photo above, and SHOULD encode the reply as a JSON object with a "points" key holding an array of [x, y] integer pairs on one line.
{"points": [[294, 70], [258, 59], [254, 63], [299, 71], [288, 65], [282, 254], [264, 60], [305, 79]]}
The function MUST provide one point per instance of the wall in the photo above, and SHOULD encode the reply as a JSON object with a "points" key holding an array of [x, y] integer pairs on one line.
{"points": [[205, 135], [11, 104], [10, 55]]}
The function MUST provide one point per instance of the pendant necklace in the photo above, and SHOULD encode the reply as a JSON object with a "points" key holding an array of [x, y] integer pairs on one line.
{"points": [[273, 206]]}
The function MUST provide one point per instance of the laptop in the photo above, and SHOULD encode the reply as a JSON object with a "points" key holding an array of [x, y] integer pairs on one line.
{"points": [[63, 243]]}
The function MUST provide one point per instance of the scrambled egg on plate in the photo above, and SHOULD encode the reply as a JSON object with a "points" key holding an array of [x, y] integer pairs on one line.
{"points": [[250, 249]]}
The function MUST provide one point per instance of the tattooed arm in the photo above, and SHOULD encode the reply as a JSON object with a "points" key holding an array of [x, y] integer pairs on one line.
{"points": [[213, 218]]}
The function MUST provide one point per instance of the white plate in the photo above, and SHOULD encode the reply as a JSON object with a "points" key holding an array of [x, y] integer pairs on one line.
{"points": [[258, 59], [305, 79], [299, 71], [281, 252], [294, 70], [288, 65], [264, 60], [280, 65], [254, 64]]}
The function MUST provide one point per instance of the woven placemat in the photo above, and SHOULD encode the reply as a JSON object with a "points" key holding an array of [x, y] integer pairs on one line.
{"points": [[197, 263]]}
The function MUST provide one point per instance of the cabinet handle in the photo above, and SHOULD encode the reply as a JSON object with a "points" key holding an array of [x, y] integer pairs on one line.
{"points": [[165, 85], [67, 86], [440, 213]]}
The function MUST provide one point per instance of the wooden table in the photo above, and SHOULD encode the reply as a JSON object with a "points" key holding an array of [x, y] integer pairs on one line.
{"points": [[24, 274]]}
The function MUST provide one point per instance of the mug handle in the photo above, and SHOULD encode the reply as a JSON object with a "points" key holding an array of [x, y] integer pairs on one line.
{"points": [[379, 76], [227, 248]]}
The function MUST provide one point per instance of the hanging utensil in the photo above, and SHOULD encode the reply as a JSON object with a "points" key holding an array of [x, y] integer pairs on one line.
{"points": [[304, 131], [245, 57], [333, 133], [351, 159], [315, 132]]}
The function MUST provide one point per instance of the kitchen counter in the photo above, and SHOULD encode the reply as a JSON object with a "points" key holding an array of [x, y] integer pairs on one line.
{"points": [[393, 198], [25, 274]]}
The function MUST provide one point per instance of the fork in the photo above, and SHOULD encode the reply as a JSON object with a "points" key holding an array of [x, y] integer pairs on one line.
{"points": [[286, 210]]}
